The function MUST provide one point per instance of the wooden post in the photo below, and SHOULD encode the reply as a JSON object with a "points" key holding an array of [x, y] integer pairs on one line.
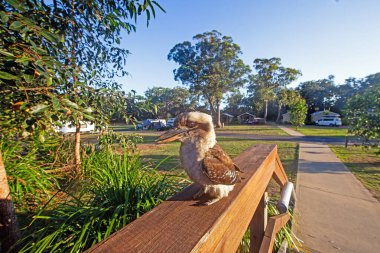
{"points": [[258, 224]]}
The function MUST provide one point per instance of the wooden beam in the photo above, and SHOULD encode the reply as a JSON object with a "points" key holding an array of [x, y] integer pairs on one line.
{"points": [[180, 224], [258, 225], [279, 174], [275, 223]]}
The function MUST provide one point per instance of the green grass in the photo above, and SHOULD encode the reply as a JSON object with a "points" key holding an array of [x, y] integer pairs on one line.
{"points": [[122, 127], [153, 153], [364, 163], [252, 129], [322, 131]]}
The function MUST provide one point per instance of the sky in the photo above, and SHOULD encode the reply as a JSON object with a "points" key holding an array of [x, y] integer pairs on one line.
{"points": [[318, 37]]}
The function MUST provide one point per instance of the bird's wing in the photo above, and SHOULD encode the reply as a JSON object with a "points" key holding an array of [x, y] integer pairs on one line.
{"points": [[219, 167]]}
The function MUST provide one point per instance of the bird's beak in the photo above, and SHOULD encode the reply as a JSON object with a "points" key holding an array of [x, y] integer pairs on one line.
{"points": [[173, 134]]}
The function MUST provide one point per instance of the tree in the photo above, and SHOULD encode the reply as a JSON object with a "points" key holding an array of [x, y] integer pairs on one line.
{"points": [[211, 67], [55, 56], [269, 80], [319, 94], [363, 112], [237, 103], [298, 112], [170, 101]]}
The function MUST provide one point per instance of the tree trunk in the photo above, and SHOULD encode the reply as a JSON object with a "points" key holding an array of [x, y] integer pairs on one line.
{"points": [[213, 112], [279, 113], [218, 123], [77, 150], [266, 111], [9, 231]]}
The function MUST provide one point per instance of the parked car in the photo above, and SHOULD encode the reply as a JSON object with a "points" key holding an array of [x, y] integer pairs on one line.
{"points": [[85, 126], [170, 122], [151, 124], [333, 121]]}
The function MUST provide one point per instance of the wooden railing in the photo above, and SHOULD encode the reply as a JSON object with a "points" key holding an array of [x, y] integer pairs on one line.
{"points": [[181, 225]]}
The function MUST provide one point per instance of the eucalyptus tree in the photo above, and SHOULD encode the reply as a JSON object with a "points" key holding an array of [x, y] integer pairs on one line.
{"points": [[171, 101], [268, 81], [211, 67], [56, 57]]}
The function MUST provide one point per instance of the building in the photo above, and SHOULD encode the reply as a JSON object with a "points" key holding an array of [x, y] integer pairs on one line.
{"points": [[246, 118], [227, 118]]}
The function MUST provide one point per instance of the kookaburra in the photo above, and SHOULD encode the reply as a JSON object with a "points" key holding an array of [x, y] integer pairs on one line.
{"points": [[203, 159]]}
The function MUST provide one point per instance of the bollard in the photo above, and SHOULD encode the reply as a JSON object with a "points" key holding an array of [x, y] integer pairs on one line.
{"points": [[286, 192]]}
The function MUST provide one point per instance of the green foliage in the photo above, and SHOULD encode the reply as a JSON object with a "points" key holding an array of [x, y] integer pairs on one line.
{"points": [[170, 101], [298, 112], [106, 140], [319, 94], [29, 179], [58, 60], [363, 111], [116, 190], [211, 66], [268, 82]]}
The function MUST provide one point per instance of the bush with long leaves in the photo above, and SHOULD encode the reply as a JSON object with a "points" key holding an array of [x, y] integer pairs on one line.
{"points": [[29, 181], [116, 190]]}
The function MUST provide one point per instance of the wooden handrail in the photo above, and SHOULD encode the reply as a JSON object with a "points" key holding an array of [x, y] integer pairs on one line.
{"points": [[180, 224], [275, 223]]}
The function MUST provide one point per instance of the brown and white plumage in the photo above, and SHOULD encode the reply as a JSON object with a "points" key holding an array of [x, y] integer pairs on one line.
{"points": [[203, 159]]}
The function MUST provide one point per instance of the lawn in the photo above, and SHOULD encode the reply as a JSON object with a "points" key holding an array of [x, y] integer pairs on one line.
{"points": [[322, 131], [252, 129], [154, 154], [364, 163]]}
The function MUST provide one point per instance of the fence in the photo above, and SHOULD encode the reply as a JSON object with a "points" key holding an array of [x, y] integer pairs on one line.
{"points": [[181, 225]]}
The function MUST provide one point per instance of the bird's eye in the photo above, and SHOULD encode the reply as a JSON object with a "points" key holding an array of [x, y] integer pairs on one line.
{"points": [[191, 124]]}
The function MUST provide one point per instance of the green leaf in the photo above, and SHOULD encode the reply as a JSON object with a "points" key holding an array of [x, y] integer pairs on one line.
{"points": [[70, 103], [39, 108], [4, 17], [56, 103], [16, 26], [7, 76], [49, 81], [6, 53], [28, 22], [89, 117], [41, 137], [17, 5], [52, 37], [23, 59]]}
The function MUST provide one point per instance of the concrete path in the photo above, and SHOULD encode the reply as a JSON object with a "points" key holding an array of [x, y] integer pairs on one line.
{"points": [[290, 131], [334, 212]]}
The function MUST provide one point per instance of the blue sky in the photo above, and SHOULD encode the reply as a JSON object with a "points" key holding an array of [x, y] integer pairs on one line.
{"points": [[318, 37]]}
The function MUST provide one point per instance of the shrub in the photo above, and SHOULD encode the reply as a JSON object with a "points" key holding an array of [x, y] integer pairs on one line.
{"points": [[116, 189]]}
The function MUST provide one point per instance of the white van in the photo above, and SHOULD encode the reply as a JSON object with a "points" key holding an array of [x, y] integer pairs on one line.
{"points": [[332, 121], [85, 126]]}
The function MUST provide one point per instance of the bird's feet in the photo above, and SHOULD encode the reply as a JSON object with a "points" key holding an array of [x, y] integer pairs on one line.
{"points": [[212, 201]]}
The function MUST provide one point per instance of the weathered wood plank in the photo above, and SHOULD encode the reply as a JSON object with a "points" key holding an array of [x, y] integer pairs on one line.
{"points": [[279, 174], [258, 225], [275, 223], [181, 225]]}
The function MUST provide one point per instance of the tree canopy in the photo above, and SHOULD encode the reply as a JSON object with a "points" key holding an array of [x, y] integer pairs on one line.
{"points": [[211, 67], [363, 111], [268, 81]]}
